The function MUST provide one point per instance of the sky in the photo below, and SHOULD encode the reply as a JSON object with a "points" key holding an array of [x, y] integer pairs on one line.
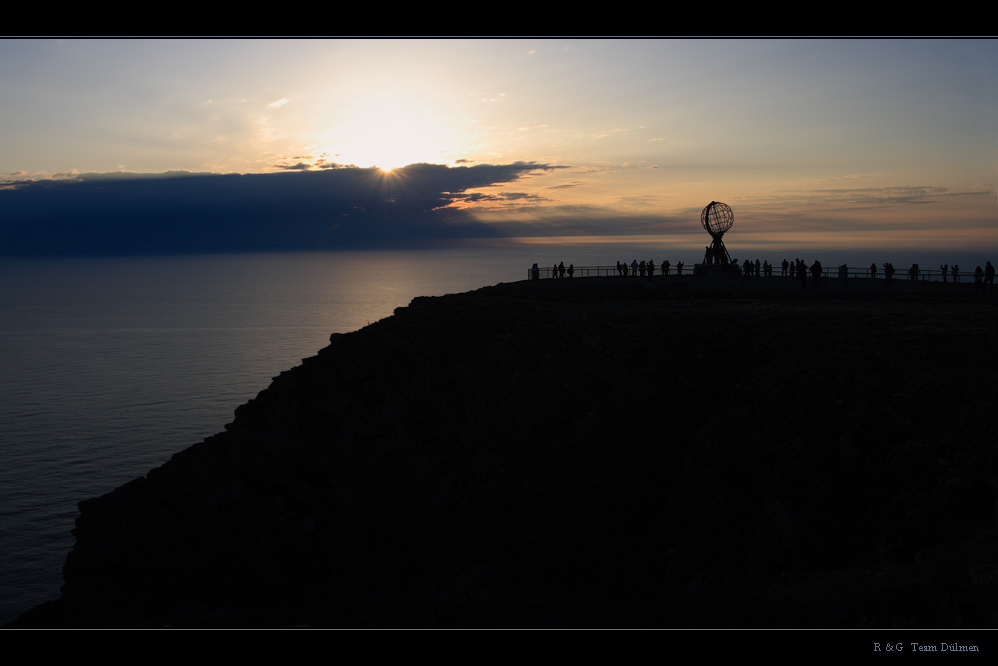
{"points": [[852, 143]]}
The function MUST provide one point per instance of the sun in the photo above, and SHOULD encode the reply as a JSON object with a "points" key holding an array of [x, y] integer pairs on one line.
{"points": [[389, 137]]}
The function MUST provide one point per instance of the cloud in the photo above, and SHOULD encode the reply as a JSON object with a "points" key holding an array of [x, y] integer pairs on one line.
{"points": [[299, 166], [480, 196], [864, 196], [501, 197], [642, 201], [521, 196], [276, 104], [9, 180], [588, 220], [316, 165], [302, 207], [314, 162]]}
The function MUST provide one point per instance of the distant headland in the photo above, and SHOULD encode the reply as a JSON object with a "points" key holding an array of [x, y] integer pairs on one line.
{"points": [[607, 452]]}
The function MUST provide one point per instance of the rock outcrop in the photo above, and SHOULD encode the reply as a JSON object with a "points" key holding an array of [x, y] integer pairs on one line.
{"points": [[587, 453]]}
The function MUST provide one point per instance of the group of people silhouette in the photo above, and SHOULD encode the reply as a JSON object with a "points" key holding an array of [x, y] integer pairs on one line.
{"points": [[984, 278], [765, 269], [988, 281], [799, 270], [646, 268], [559, 270]]}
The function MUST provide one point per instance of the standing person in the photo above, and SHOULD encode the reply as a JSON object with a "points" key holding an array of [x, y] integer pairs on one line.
{"points": [[913, 272], [747, 268], [641, 267], [554, 272], [945, 270], [793, 270], [786, 265], [665, 268], [873, 271], [888, 272], [955, 272], [815, 273], [978, 279], [757, 267], [634, 267], [989, 277], [561, 270], [571, 270], [651, 268], [802, 274], [535, 272], [679, 268]]}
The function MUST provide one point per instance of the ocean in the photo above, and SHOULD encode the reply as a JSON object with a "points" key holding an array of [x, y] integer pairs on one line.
{"points": [[108, 366]]}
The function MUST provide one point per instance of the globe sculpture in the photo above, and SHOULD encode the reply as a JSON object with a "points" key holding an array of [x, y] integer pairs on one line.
{"points": [[717, 218]]}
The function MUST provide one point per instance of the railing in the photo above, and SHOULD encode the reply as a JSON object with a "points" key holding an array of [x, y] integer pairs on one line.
{"points": [[546, 273], [833, 273]]}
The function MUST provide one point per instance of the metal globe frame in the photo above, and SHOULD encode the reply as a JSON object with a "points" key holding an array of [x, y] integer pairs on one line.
{"points": [[716, 218]]}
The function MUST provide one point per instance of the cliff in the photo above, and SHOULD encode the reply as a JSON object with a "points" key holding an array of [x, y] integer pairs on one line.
{"points": [[581, 453]]}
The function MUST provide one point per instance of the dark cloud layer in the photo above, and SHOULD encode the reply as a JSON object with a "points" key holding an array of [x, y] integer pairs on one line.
{"points": [[336, 208]]}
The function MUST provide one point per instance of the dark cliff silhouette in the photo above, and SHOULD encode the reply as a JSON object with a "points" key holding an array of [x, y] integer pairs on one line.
{"points": [[579, 453]]}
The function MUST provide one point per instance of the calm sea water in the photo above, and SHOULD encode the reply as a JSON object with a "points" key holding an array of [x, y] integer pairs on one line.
{"points": [[110, 366]]}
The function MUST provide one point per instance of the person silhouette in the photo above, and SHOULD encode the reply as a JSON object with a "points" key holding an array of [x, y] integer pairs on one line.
{"points": [[989, 277], [945, 269], [873, 271]]}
